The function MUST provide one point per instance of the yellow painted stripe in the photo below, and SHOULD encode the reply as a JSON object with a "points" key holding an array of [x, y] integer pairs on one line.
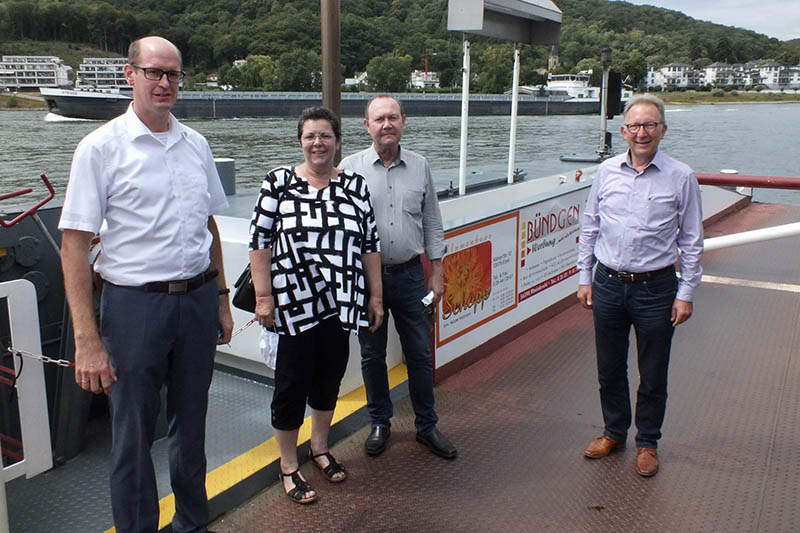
{"points": [[240, 468]]}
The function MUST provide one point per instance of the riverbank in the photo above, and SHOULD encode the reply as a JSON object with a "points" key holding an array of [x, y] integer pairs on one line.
{"points": [[21, 101], [732, 97]]}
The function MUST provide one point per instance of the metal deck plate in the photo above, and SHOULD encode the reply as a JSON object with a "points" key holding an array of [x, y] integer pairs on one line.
{"points": [[74, 498], [522, 417]]}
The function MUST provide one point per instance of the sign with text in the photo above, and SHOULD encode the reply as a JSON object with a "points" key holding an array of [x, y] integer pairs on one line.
{"points": [[480, 276], [548, 243]]}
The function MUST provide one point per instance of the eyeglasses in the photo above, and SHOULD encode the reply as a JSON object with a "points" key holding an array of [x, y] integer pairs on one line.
{"points": [[649, 127], [324, 137], [155, 74]]}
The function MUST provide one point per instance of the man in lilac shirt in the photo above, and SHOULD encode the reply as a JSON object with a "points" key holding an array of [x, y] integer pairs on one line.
{"points": [[643, 210]]}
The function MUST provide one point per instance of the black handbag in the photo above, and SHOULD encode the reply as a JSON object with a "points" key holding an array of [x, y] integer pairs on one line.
{"points": [[244, 294]]}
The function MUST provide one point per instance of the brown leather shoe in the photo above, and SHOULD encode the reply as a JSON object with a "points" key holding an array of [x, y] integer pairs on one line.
{"points": [[601, 446], [646, 462]]}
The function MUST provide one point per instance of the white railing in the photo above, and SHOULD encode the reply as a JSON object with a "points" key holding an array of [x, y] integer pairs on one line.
{"points": [[23, 318]]}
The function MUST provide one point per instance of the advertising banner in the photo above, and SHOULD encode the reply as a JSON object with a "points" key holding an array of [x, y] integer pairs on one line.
{"points": [[480, 275]]}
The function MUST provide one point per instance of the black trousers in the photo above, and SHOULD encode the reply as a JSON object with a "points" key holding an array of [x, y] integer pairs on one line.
{"points": [[309, 369]]}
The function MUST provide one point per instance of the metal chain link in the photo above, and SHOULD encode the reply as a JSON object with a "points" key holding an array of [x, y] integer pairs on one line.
{"points": [[65, 363], [42, 358]]}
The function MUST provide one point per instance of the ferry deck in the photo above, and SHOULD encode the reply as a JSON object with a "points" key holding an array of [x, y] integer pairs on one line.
{"points": [[520, 417]]}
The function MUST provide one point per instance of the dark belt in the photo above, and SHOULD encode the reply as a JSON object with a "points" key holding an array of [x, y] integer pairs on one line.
{"points": [[401, 267], [176, 287], [634, 277]]}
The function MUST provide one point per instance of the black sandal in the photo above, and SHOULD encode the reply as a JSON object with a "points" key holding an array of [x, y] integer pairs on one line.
{"points": [[301, 488], [334, 467]]}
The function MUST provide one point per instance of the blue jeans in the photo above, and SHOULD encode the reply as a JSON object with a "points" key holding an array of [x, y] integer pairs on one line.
{"points": [[402, 295], [647, 306]]}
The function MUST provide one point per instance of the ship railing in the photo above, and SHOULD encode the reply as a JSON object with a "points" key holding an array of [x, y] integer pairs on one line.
{"points": [[23, 317], [743, 182], [23, 320]]}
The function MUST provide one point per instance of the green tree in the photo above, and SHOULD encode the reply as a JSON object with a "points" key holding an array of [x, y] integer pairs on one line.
{"points": [[230, 76], [389, 73], [299, 70], [496, 70], [635, 68], [723, 50], [788, 56], [259, 73]]}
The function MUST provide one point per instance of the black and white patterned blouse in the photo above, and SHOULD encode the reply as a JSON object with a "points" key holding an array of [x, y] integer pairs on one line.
{"points": [[317, 238]]}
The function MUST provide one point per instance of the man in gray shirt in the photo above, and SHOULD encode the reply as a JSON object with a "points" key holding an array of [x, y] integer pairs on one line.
{"points": [[409, 223]]}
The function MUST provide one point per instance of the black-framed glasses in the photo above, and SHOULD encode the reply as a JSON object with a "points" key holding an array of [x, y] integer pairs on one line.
{"points": [[155, 74], [649, 127]]}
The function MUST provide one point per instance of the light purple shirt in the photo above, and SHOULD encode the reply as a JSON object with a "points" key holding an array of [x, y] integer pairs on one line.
{"points": [[637, 222]]}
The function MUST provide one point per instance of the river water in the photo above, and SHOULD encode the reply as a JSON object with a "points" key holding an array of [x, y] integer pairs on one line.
{"points": [[751, 138]]}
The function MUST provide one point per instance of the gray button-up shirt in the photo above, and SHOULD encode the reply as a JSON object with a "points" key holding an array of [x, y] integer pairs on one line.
{"points": [[405, 203]]}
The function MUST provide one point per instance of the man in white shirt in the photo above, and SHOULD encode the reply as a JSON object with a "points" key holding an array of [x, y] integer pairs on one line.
{"points": [[149, 186]]}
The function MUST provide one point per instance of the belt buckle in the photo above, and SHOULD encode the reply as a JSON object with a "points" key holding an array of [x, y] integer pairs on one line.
{"points": [[626, 275], [177, 287]]}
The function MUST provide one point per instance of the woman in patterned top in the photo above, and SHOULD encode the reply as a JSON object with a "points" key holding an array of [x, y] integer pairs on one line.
{"points": [[313, 242]]}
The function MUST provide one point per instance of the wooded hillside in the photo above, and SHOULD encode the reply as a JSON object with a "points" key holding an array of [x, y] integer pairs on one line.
{"points": [[213, 33]]}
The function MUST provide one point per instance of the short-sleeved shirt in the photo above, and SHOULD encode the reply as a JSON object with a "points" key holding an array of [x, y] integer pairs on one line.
{"points": [[406, 205], [317, 239], [149, 196]]}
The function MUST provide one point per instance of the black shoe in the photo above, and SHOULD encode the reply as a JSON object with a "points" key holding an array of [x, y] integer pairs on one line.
{"points": [[376, 442], [438, 444]]}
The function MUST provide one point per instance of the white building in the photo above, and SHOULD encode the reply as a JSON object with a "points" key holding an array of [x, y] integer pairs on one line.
{"points": [[770, 74], [676, 75], [101, 73], [32, 72], [719, 74], [359, 80], [424, 80]]}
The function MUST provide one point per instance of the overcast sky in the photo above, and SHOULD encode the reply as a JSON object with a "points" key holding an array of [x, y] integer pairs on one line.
{"points": [[776, 18]]}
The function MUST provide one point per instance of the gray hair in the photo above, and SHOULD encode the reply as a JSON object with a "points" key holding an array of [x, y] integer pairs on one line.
{"points": [[646, 99]]}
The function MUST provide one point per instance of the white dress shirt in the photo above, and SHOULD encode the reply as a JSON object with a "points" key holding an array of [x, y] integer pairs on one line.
{"points": [[149, 199]]}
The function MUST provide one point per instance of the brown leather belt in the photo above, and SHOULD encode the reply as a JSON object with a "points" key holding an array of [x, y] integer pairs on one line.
{"points": [[176, 287], [634, 277]]}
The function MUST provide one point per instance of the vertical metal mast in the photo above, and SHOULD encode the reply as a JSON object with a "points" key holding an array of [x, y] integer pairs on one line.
{"points": [[331, 59]]}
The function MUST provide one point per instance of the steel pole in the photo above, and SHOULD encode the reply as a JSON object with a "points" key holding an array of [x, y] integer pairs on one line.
{"points": [[331, 63], [462, 165], [512, 143], [604, 112], [748, 237]]}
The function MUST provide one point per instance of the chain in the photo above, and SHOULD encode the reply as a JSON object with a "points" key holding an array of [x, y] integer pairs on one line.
{"points": [[64, 362], [42, 358]]}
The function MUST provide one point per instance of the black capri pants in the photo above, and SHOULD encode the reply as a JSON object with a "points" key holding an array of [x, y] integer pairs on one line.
{"points": [[309, 368]]}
